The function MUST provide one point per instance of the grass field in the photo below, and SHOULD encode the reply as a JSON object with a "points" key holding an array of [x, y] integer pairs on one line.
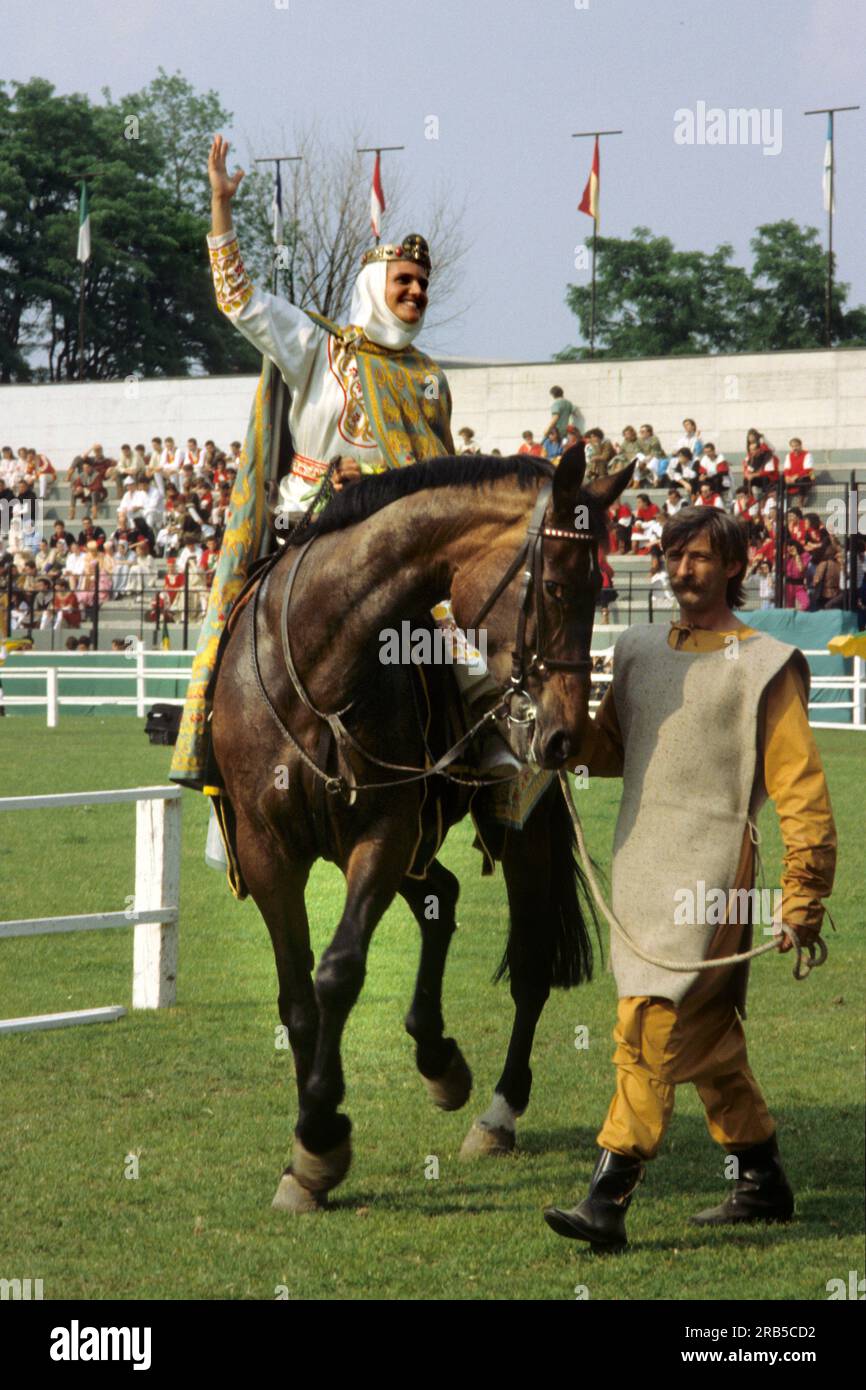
{"points": [[202, 1095]]}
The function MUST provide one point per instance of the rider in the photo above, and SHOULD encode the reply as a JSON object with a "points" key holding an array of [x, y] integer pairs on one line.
{"points": [[362, 393]]}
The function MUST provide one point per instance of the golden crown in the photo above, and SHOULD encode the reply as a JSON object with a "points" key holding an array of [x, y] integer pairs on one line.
{"points": [[412, 248]]}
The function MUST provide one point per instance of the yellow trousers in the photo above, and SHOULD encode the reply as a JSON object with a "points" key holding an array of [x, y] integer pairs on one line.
{"points": [[658, 1047]]}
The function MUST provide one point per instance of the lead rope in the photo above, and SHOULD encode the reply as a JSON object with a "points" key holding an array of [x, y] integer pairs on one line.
{"points": [[807, 958]]}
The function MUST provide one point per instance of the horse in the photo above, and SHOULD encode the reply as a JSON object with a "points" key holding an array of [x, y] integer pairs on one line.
{"points": [[303, 663]]}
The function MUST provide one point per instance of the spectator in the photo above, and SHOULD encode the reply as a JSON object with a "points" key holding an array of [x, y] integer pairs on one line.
{"points": [[67, 612], [707, 497], [607, 594], [529, 445], [675, 502], [170, 461], [660, 589], [43, 604], [765, 585], [561, 413], [690, 439], [826, 587], [172, 584], [681, 469], [142, 571], [552, 446], [798, 469], [468, 445], [650, 447], [795, 523], [191, 454], [83, 644], [646, 528], [599, 454], [623, 519], [134, 500], [46, 476], [89, 533], [120, 569], [73, 567], [796, 595]]}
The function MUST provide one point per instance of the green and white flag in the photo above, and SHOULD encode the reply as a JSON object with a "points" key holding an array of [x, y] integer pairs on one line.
{"points": [[83, 226]]}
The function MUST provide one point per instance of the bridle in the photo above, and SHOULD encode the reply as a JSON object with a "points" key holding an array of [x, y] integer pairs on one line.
{"points": [[523, 665], [531, 557]]}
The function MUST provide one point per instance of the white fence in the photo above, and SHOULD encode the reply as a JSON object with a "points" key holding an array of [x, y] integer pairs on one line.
{"points": [[136, 671], [154, 913]]}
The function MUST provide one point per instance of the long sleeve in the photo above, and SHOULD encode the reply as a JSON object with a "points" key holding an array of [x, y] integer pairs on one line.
{"points": [[278, 329], [794, 778]]}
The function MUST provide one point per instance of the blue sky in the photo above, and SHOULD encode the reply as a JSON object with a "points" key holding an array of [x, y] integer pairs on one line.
{"points": [[509, 80]]}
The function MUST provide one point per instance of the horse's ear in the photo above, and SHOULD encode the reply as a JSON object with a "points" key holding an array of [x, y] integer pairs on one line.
{"points": [[607, 490], [568, 479]]}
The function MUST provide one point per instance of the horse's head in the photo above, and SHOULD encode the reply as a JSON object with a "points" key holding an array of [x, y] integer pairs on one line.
{"points": [[538, 629]]}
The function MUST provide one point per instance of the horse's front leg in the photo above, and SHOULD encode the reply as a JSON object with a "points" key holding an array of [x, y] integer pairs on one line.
{"points": [[322, 1150], [443, 1069]]}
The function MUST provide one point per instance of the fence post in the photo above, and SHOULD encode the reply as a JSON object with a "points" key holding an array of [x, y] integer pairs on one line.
{"points": [[186, 605], [157, 884], [858, 692], [51, 696], [95, 629], [139, 678]]}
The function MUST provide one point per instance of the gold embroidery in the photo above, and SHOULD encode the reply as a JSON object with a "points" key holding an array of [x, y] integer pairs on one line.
{"points": [[233, 286]]}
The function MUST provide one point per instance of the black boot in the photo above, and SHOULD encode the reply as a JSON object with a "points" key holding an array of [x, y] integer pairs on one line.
{"points": [[600, 1217], [761, 1192]]}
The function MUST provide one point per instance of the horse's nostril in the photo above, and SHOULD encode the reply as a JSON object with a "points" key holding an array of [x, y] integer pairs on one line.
{"points": [[557, 748]]}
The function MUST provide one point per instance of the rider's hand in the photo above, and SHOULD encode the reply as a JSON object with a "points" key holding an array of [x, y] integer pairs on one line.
{"points": [[349, 471], [223, 185]]}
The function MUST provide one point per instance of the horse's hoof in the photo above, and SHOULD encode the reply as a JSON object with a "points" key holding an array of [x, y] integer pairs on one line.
{"points": [[488, 1141], [292, 1197], [453, 1088], [320, 1172]]}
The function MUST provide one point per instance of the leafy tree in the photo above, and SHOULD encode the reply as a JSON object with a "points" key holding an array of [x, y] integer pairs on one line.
{"points": [[149, 307], [655, 301]]}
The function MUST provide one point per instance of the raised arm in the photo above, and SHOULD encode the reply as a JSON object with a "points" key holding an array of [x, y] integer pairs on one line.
{"points": [[278, 329]]}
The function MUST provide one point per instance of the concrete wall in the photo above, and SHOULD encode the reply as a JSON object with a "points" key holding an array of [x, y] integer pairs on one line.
{"points": [[820, 396]]}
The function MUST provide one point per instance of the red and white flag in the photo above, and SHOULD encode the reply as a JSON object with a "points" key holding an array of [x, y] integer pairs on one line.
{"points": [[589, 201], [377, 199]]}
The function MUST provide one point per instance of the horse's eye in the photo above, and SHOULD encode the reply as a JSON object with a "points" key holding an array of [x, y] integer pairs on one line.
{"points": [[555, 590]]}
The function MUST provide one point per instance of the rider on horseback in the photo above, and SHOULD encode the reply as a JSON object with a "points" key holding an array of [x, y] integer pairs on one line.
{"points": [[361, 397]]}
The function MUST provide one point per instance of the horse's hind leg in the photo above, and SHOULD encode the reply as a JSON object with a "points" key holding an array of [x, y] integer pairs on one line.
{"points": [[540, 893], [443, 1069]]}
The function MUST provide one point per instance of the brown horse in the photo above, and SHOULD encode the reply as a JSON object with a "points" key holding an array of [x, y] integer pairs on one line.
{"points": [[513, 541]]}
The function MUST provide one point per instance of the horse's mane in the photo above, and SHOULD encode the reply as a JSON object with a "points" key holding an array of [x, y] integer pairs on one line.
{"points": [[371, 494]]}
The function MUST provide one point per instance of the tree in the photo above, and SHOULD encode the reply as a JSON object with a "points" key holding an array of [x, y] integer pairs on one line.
{"points": [[789, 275], [149, 305], [655, 301]]}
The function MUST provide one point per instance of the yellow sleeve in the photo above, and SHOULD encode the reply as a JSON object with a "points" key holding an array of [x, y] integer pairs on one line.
{"points": [[794, 778], [601, 751]]}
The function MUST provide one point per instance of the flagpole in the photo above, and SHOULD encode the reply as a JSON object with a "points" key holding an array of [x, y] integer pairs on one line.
{"points": [[829, 112], [81, 324], [277, 160], [377, 150], [596, 135]]}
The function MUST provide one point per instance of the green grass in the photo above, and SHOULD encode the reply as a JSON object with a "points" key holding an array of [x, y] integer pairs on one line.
{"points": [[208, 1103]]}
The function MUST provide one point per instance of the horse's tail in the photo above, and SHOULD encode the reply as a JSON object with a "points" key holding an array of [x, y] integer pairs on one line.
{"points": [[563, 917]]}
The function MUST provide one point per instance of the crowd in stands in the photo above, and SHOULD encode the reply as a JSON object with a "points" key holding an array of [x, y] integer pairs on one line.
{"points": [[167, 516], [694, 472]]}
